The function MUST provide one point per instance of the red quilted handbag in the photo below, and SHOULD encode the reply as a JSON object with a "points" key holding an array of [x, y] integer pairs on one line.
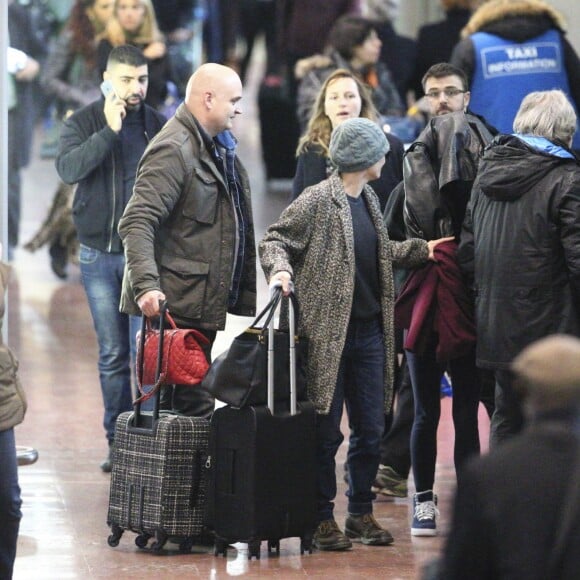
{"points": [[181, 361]]}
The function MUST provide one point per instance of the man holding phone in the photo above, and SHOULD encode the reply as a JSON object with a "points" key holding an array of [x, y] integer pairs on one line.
{"points": [[99, 150]]}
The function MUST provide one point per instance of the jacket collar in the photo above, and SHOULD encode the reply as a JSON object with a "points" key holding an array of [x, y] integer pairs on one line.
{"points": [[340, 198], [184, 116]]}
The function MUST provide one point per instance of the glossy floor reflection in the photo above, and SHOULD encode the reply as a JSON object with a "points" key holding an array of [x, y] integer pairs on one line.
{"points": [[63, 531]]}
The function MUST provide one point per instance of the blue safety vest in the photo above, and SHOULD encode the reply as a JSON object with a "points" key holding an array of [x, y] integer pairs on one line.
{"points": [[506, 71]]}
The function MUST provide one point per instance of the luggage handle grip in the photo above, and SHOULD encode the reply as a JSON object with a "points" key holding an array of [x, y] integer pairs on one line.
{"points": [[276, 296], [163, 318]]}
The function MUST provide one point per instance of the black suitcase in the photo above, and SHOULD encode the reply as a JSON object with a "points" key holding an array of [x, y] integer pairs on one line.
{"points": [[279, 129], [159, 479], [263, 470]]}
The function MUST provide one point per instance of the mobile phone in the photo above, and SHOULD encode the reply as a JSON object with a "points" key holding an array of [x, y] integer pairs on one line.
{"points": [[107, 88]]}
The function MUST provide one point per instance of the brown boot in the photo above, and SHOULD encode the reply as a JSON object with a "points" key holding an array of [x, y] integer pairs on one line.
{"points": [[328, 536], [366, 529]]}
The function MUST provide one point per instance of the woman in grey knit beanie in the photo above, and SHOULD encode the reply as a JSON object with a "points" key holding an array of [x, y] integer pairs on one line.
{"points": [[332, 244]]}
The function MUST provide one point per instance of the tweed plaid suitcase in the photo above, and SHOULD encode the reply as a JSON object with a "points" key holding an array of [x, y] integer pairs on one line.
{"points": [[158, 482], [158, 486]]}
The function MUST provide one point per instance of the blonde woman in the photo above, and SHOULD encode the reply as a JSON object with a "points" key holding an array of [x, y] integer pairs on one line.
{"points": [[342, 96]]}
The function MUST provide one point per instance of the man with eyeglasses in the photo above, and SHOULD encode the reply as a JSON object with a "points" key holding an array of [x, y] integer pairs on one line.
{"points": [[439, 169]]}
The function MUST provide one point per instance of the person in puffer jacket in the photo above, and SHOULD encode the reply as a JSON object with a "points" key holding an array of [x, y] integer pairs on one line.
{"points": [[521, 243]]}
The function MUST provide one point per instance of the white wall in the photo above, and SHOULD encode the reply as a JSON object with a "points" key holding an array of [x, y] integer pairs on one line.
{"points": [[572, 17]]}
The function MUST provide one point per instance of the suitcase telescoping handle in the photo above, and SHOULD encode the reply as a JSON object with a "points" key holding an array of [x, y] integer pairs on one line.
{"points": [[274, 289], [137, 406]]}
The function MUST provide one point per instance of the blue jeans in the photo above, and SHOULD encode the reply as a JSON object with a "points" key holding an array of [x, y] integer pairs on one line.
{"points": [[360, 385], [426, 375], [102, 277], [10, 503]]}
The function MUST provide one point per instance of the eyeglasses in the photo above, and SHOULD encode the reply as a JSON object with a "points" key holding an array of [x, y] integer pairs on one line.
{"points": [[449, 93]]}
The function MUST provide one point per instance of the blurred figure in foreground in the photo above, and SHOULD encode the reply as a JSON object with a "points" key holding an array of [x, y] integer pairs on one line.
{"points": [[517, 513]]}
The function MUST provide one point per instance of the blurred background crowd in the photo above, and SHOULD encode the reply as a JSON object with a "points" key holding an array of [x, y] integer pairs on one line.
{"points": [[304, 40]]}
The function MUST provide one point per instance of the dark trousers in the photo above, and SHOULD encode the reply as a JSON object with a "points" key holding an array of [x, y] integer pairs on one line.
{"points": [[396, 441], [487, 396], [360, 385], [192, 401], [426, 375], [508, 418], [10, 503]]}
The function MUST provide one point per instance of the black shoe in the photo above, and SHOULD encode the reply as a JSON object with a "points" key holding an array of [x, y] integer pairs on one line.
{"points": [[366, 529], [58, 260], [328, 536], [58, 269], [107, 465]]}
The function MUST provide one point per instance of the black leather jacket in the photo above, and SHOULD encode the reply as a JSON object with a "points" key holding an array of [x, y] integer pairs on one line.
{"points": [[90, 155], [439, 169]]}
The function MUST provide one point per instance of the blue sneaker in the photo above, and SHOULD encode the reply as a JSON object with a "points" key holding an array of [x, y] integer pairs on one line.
{"points": [[425, 514]]}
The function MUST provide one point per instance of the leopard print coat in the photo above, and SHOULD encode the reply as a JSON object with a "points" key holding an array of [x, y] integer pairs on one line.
{"points": [[313, 240]]}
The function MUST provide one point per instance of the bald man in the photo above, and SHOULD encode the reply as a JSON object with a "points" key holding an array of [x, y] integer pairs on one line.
{"points": [[188, 230]]}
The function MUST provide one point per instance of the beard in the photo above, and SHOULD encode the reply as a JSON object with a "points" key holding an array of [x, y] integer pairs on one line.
{"points": [[135, 105]]}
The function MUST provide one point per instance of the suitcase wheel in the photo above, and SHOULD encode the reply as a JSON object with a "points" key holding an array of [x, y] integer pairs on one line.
{"points": [[186, 545], [306, 544], [116, 533], [220, 547], [160, 540], [254, 549], [274, 545], [141, 540]]}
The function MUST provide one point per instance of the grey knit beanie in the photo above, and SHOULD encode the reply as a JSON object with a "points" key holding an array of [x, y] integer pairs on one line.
{"points": [[357, 144]]}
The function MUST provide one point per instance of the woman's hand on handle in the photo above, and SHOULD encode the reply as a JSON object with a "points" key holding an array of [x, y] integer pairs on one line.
{"points": [[283, 279]]}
